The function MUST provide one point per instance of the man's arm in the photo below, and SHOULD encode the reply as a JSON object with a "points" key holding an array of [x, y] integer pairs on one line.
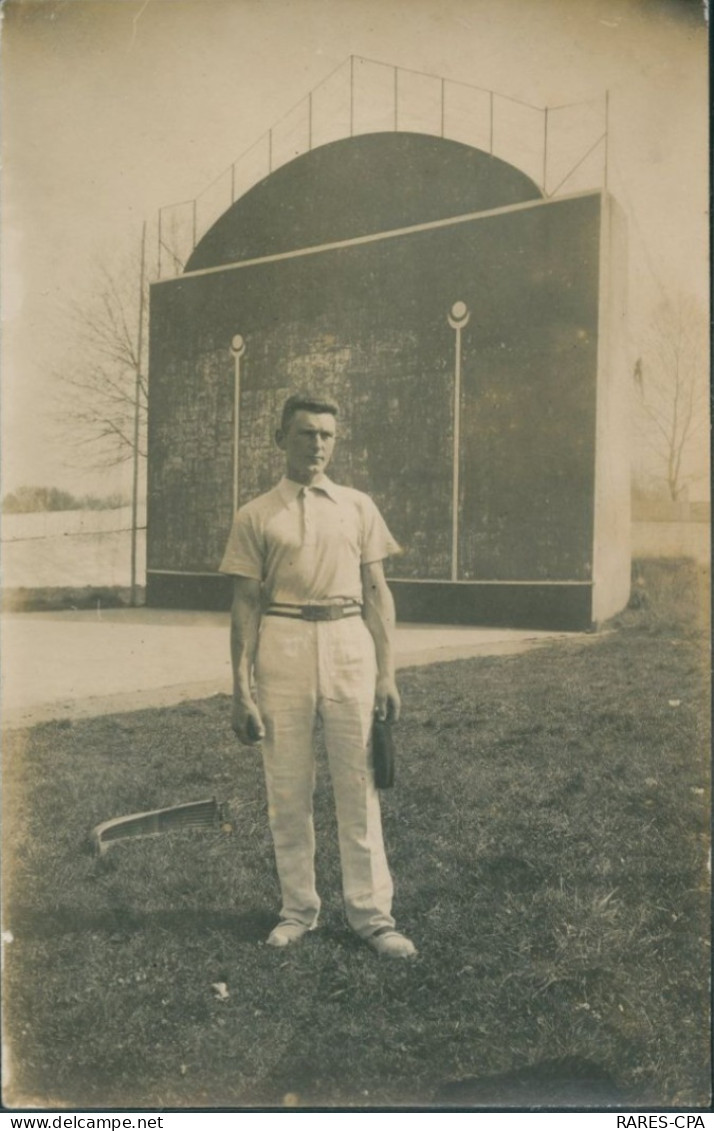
{"points": [[245, 622], [380, 619]]}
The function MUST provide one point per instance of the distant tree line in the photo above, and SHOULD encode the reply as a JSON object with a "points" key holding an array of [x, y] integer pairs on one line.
{"points": [[26, 500]]}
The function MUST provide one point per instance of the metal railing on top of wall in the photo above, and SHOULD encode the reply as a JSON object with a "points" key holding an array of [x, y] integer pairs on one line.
{"points": [[562, 148]]}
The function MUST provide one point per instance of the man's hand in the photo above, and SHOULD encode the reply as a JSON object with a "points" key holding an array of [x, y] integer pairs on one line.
{"points": [[246, 721], [388, 704], [379, 618]]}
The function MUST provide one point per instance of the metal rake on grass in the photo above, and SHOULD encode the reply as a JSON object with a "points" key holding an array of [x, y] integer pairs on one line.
{"points": [[207, 814]]}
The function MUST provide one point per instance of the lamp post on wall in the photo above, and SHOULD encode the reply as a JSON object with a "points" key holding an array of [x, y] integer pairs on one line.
{"points": [[237, 349], [457, 318]]}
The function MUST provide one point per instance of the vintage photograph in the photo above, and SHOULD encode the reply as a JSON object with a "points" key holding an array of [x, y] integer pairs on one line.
{"points": [[355, 555]]}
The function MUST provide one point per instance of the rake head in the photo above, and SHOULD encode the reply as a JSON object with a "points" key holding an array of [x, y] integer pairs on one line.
{"points": [[154, 822]]}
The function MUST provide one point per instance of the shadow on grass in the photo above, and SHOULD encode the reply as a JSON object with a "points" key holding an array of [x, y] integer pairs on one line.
{"points": [[567, 1082], [120, 923]]}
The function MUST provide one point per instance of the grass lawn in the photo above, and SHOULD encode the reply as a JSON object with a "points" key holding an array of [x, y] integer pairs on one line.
{"points": [[548, 833]]}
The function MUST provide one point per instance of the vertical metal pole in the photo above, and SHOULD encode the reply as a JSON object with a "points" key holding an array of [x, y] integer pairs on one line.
{"points": [[457, 318], [490, 144], [545, 148], [456, 461], [443, 101], [351, 95], [607, 138], [396, 99], [137, 408], [237, 349]]}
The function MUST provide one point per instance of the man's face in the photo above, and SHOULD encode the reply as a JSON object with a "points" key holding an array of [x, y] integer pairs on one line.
{"points": [[308, 444]]}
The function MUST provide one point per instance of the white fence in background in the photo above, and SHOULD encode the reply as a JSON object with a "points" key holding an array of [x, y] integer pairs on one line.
{"points": [[49, 524], [73, 549]]}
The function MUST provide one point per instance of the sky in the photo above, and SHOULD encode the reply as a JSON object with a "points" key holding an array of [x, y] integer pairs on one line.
{"points": [[114, 108]]}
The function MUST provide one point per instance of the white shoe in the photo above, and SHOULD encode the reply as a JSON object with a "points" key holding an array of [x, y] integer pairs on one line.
{"points": [[392, 944], [287, 933]]}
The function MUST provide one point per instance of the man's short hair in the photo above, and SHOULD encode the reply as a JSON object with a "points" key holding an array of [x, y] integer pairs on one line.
{"points": [[305, 402]]}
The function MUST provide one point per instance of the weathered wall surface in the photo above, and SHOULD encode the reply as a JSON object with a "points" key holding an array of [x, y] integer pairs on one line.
{"points": [[368, 325]]}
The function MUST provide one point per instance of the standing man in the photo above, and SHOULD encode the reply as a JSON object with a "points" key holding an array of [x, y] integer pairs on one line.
{"points": [[312, 628]]}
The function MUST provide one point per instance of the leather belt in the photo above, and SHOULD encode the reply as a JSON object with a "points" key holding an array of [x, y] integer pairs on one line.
{"points": [[314, 612]]}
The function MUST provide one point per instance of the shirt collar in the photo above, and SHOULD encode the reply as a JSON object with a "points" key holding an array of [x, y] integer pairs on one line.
{"points": [[290, 489]]}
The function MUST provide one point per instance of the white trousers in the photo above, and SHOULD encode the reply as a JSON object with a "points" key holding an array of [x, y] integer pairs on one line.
{"points": [[307, 670]]}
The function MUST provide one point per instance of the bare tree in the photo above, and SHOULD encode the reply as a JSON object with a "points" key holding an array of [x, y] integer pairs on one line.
{"points": [[102, 386], [671, 396]]}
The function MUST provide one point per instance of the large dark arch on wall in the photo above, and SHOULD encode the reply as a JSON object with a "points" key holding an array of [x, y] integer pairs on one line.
{"points": [[356, 187]]}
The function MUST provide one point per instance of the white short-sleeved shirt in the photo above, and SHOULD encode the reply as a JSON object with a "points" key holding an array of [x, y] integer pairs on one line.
{"points": [[306, 551]]}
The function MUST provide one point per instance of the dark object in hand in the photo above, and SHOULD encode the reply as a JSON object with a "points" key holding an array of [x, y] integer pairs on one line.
{"points": [[383, 753]]}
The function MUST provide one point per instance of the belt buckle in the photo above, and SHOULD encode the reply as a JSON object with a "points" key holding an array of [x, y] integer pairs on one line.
{"points": [[317, 612]]}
